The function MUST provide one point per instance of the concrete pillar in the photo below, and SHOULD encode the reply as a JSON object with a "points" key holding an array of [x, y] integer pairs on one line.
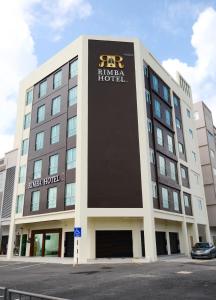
{"points": [[195, 233], [137, 247], [185, 238], [150, 240], [208, 234], [168, 243], [11, 240]]}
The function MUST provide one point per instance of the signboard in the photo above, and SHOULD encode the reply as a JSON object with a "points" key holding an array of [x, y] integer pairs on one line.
{"points": [[77, 232], [44, 181]]}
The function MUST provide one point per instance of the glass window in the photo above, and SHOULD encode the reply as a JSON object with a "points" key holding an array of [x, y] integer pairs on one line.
{"points": [[183, 173], [176, 101], [29, 97], [145, 70], [176, 201], [172, 171], [72, 125], [152, 156], [212, 153], [41, 113], [181, 148], [214, 171], [159, 136], [27, 121], [52, 197], [168, 117], [194, 155], [155, 83], [165, 199], [24, 149], [35, 201], [39, 141], [165, 93], [22, 174], [200, 204], [178, 123], [162, 165], [43, 89], [19, 204], [196, 115], [2, 180], [188, 113], [157, 108], [154, 189], [186, 200], [74, 68], [55, 132], [37, 169], [170, 143], [191, 133], [71, 158], [57, 80], [53, 164], [56, 105], [70, 194], [149, 124], [147, 95], [72, 96]]}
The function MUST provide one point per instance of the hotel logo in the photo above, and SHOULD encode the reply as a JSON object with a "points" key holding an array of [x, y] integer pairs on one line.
{"points": [[111, 61]]}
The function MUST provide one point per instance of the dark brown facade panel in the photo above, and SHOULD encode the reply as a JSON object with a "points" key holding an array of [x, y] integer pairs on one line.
{"points": [[114, 177]]}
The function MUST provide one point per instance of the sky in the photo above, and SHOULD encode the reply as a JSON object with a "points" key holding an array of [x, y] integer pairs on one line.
{"points": [[181, 34]]}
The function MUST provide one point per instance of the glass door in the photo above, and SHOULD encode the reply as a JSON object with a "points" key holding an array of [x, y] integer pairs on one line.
{"points": [[51, 244], [38, 244]]}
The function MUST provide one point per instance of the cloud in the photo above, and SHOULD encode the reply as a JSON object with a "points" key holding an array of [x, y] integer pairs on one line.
{"points": [[202, 74]]}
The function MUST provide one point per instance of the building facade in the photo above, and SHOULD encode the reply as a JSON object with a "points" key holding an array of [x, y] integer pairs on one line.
{"points": [[7, 177], [207, 148], [108, 145]]}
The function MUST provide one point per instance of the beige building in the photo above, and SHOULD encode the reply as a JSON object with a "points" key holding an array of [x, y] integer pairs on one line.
{"points": [[107, 143], [207, 148]]}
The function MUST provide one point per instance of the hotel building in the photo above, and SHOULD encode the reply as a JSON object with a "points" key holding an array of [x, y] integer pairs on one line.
{"points": [[107, 143]]}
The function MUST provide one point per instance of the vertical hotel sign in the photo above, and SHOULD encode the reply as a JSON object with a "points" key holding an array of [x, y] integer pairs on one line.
{"points": [[114, 177]]}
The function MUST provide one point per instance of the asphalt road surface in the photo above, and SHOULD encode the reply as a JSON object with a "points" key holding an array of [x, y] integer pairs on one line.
{"points": [[161, 280]]}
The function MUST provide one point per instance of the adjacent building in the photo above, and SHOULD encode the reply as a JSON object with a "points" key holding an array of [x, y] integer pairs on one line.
{"points": [[206, 134], [107, 143], [7, 177]]}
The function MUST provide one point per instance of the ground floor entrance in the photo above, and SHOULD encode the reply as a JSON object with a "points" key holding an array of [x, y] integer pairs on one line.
{"points": [[46, 242]]}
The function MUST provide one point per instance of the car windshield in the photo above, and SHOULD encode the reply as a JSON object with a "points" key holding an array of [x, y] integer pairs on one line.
{"points": [[202, 245]]}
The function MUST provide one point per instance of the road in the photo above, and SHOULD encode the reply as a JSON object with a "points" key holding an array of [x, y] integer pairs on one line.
{"points": [[174, 279]]}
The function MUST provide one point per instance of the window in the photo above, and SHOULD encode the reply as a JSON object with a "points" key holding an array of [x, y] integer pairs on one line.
{"points": [[19, 204], [57, 80], [165, 93], [72, 96], [152, 156], [147, 95], [199, 202], [27, 121], [41, 113], [186, 200], [170, 143], [168, 117], [24, 149], [149, 124], [56, 105], [35, 201], [70, 194], [29, 97], [71, 158], [162, 166], [214, 171], [165, 199], [178, 123], [196, 115], [157, 108], [2, 180], [74, 68], [55, 131], [154, 189], [53, 164], [52, 197], [159, 136], [155, 83], [181, 148], [183, 173], [176, 201], [43, 89], [188, 113], [176, 101], [39, 141], [22, 174], [72, 124], [172, 171], [194, 155], [37, 169], [145, 70], [196, 178], [212, 154], [191, 133]]}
